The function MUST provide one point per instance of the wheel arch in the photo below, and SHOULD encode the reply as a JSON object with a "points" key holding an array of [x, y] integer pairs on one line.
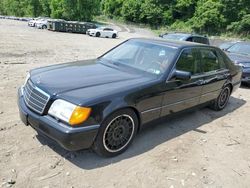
{"points": [[134, 109], [229, 83]]}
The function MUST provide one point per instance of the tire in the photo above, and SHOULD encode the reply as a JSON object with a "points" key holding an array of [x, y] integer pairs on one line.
{"points": [[222, 100], [44, 27], [116, 133], [114, 36], [98, 34]]}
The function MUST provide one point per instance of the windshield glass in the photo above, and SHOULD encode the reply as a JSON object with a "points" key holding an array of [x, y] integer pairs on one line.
{"points": [[226, 45], [143, 56], [175, 37], [241, 48]]}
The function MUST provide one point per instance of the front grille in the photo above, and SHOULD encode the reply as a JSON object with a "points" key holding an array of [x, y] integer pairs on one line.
{"points": [[35, 98]]}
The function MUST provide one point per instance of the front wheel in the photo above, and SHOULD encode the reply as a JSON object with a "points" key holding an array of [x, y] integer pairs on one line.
{"points": [[98, 34], [116, 133], [114, 36], [44, 27], [222, 100]]}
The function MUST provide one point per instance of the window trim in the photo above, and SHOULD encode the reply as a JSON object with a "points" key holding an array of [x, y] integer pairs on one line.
{"points": [[217, 54], [169, 76], [187, 48]]}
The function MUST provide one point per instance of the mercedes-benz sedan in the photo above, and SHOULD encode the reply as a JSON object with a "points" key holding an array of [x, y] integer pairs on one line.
{"points": [[102, 103]]}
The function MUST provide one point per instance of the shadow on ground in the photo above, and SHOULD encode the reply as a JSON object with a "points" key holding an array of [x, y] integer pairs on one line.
{"points": [[151, 136]]}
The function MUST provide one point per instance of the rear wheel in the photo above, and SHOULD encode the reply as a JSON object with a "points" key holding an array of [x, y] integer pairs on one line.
{"points": [[222, 100], [116, 133], [44, 27], [114, 36], [98, 34]]}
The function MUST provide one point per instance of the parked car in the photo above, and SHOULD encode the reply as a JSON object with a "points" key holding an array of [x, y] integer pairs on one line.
{"points": [[42, 24], [186, 37], [239, 53], [104, 102], [33, 22], [103, 32]]}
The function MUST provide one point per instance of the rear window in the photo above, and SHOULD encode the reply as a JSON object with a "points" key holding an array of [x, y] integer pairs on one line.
{"points": [[201, 40]]}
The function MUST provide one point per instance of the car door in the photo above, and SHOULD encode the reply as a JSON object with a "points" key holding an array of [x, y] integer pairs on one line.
{"points": [[110, 32], [215, 73], [106, 32], [182, 94]]}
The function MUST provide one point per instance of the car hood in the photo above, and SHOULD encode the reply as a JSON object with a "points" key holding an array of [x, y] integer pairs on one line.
{"points": [[84, 79], [240, 59]]}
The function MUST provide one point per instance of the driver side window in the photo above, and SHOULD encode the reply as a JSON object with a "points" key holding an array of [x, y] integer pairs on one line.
{"points": [[189, 62]]}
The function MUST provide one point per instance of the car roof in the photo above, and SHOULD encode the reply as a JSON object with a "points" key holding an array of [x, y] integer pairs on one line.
{"points": [[171, 43], [186, 34]]}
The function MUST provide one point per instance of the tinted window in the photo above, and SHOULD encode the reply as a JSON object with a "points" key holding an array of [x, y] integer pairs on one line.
{"points": [[190, 39], [189, 61], [221, 60], [108, 29], [209, 59], [200, 40]]}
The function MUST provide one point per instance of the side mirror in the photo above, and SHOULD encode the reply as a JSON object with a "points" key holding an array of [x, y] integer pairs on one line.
{"points": [[182, 75]]}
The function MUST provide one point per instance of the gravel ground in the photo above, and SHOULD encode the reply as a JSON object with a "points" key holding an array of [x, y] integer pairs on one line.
{"points": [[199, 149]]}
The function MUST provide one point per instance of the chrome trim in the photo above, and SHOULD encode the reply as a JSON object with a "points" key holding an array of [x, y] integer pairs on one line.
{"points": [[32, 94], [167, 105]]}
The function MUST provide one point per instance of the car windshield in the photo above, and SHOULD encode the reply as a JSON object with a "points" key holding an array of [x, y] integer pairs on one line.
{"points": [[226, 45], [175, 36], [240, 48], [143, 56]]}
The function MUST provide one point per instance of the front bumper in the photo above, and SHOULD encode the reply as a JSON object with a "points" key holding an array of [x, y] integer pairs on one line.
{"points": [[90, 33], [31, 24], [68, 137]]}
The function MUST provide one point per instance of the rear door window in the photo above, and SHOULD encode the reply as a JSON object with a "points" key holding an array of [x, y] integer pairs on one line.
{"points": [[189, 61], [211, 60]]}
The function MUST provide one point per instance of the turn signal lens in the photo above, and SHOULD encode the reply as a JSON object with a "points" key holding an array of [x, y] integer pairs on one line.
{"points": [[79, 115]]}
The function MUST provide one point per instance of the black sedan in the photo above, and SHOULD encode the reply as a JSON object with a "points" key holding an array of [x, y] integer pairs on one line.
{"points": [[239, 53], [103, 103]]}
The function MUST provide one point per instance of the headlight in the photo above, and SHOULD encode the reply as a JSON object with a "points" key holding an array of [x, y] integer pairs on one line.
{"points": [[27, 78], [69, 112]]}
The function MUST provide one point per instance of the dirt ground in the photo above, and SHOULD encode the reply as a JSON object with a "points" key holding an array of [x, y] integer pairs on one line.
{"points": [[199, 149]]}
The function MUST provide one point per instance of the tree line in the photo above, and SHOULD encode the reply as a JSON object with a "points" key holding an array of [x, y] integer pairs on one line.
{"points": [[203, 16], [80, 10]]}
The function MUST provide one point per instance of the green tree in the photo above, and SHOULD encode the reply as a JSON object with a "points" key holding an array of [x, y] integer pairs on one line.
{"points": [[241, 27], [112, 8], [208, 17], [152, 12], [132, 10]]}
